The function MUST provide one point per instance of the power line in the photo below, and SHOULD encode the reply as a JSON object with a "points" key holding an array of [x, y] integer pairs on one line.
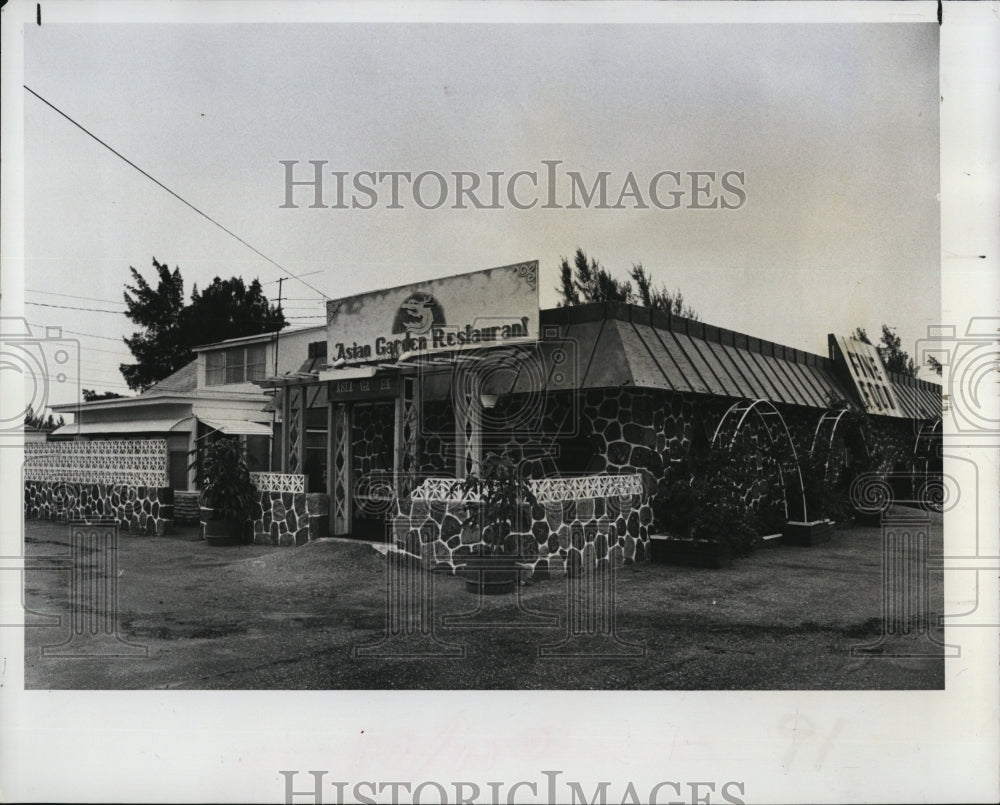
{"points": [[299, 277], [70, 307], [184, 201], [125, 353], [92, 335], [77, 332], [73, 296]]}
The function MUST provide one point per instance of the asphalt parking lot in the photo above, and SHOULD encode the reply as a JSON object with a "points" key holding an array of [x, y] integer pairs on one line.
{"points": [[328, 615]]}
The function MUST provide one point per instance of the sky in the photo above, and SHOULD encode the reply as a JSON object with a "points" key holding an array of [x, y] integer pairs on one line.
{"points": [[834, 128]]}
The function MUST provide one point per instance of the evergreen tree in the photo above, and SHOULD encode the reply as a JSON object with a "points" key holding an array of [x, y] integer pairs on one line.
{"points": [[171, 328], [890, 350], [586, 281], [33, 420]]}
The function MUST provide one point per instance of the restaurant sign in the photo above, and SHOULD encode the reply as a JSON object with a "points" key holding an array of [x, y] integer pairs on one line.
{"points": [[864, 366], [497, 305]]}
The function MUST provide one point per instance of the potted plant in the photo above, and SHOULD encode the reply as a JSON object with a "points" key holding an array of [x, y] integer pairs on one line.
{"points": [[227, 490], [498, 494]]}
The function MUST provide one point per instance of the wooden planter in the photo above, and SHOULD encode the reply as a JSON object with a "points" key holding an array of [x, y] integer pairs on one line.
{"points": [[804, 535], [490, 575], [223, 532], [690, 552]]}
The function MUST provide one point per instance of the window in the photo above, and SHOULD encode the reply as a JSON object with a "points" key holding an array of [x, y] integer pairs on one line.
{"points": [[256, 362], [235, 365], [215, 367]]}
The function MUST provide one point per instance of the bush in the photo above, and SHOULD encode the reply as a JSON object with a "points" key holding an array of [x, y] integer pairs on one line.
{"points": [[502, 492], [226, 485], [703, 501]]}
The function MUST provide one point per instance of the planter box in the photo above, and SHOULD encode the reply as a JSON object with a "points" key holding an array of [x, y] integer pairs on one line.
{"points": [[224, 532], [867, 519], [490, 575], [804, 535], [690, 552]]}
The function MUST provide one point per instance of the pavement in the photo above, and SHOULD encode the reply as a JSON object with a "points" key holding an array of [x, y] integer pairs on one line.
{"points": [[173, 612]]}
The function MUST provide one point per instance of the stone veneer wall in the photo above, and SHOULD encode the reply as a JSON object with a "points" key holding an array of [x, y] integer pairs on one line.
{"points": [[593, 431], [138, 509], [436, 443], [372, 439], [562, 536], [624, 430], [289, 519]]}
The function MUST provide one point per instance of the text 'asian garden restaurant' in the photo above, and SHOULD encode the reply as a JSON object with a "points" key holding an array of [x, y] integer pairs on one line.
{"points": [[599, 404]]}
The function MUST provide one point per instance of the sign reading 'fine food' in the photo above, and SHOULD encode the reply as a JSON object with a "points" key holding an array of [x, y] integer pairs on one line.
{"points": [[469, 310], [864, 365]]}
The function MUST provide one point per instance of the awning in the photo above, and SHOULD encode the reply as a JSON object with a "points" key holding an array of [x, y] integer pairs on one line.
{"points": [[238, 427], [136, 426]]}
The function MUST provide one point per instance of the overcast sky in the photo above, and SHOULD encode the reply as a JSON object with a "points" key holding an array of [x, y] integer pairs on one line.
{"points": [[835, 128]]}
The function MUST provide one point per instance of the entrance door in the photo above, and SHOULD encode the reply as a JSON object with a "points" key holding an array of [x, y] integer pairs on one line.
{"points": [[372, 451], [177, 469]]}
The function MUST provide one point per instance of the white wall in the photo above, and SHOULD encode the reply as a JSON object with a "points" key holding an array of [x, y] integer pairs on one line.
{"points": [[293, 351]]}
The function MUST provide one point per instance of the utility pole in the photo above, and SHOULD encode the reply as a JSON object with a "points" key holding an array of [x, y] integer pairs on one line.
{"points": [[276, 332], [274, 413]]}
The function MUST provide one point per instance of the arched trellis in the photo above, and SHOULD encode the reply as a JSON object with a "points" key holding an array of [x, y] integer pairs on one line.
{"points": [[928, 485], [771, 419], [928, 436], [826, 433]]}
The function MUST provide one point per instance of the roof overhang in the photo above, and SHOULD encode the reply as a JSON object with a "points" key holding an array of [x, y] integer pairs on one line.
{"points": [[260, 338], [138, 426], [238, 427], [171, 398]]}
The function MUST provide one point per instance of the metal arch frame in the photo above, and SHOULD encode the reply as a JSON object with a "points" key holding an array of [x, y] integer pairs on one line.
{"points": [[923, 433], [753, 406], [833, 433], [833, 428]]}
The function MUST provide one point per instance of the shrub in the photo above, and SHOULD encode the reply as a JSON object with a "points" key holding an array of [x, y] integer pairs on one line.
{"points": [[502, 493], [703, 501], [226, 485]]}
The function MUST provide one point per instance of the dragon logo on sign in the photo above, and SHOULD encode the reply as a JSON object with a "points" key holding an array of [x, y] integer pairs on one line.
{"points": [[419, 312]]}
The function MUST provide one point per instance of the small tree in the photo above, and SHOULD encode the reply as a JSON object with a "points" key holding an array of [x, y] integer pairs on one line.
{"points": [[586, 280], [225, 478], [90, 395], [659, 298], [501, 492], [890, 350], [33, 420]]}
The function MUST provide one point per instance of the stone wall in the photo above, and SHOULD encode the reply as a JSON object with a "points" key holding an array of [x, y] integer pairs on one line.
{"points": [[649, 431], [289, 519], [553, 538], [372, 439], [138, 509]]}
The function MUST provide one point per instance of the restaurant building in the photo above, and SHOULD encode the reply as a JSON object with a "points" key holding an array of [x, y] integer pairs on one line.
{"points": [[598, 404]]}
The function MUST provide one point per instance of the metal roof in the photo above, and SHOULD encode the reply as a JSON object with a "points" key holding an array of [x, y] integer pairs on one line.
{"points": [[625, 345], [610, 345], [917, 398]]}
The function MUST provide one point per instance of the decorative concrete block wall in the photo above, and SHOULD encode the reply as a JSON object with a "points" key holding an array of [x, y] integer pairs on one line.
{"points": [[138, 509]]}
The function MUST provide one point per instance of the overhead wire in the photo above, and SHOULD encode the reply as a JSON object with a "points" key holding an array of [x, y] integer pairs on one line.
{"points": [[74, 296], [176, 195]]}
